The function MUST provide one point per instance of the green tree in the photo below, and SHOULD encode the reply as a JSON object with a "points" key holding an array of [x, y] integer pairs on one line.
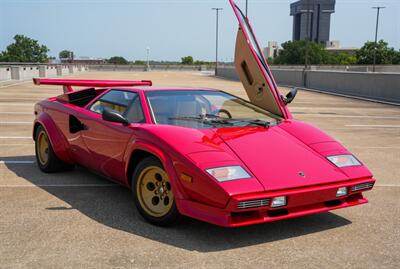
{"points": [[117, 60], [25, 49], [396, 59], [66, 54], [384, 54], [139, 62], [187, 60], [199, 62], [343, 59], [294, 52]]}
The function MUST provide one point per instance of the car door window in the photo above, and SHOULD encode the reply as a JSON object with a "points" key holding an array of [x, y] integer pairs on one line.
{"points": [[126, 103], [114, 100]]}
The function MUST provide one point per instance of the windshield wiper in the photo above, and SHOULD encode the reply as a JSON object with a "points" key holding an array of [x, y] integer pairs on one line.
{"points": [[262, 123], [203, 119], [214, 119]]}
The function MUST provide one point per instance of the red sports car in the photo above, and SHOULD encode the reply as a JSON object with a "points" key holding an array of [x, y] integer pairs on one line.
{"points": [[201, 153]]}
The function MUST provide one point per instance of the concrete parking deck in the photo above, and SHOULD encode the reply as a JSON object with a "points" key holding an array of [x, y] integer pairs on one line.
{"points": [[79, 220]]}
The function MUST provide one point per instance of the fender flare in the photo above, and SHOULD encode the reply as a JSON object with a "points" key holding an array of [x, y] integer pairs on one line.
{"points": [[166, 161], [57, 139]]}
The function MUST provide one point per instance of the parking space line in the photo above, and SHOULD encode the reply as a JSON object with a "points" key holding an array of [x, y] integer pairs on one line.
{"points": [[14, 145], [17, 162], [16, 104], [60, 185], [373, 126], [387, 185], [25, 81], [15, 137], [375, 148], [16, 122], [115, 185], [349, 116], [16, 113]]}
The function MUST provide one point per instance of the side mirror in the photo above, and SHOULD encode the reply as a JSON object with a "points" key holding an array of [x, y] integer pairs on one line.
{"points": [[290, 96], [113, 116]]}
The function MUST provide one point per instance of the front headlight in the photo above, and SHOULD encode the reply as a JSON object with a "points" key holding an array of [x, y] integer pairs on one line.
{"points": [[228, 173], [344, 160]]}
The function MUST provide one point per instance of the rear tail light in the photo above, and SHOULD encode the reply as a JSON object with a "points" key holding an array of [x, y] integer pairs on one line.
{"points": [[362, 186], [253, 203]]}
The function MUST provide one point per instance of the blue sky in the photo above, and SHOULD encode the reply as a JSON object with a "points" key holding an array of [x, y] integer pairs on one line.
{"points": [[175, 28]]}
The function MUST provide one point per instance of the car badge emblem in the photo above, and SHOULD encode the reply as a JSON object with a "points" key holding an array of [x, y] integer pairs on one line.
{"points": [[301, 174]]}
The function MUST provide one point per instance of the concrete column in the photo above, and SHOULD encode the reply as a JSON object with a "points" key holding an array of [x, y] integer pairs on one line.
{"points": [[79, 68], [70, 69], [42, 71], [15, 72], [59, 70]]}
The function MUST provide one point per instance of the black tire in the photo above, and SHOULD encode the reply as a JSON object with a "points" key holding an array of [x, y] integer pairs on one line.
{"points": [[53, 163], [170, 218]]}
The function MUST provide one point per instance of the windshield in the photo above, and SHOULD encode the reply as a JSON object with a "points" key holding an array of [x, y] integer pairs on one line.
{"points": [[206, 109]]}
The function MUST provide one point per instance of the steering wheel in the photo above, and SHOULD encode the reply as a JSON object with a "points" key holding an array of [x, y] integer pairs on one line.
{"points": [[217, 112]]}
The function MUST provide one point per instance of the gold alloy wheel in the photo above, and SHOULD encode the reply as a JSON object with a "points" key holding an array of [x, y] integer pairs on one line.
{"points": [[154, 191], [43, 147]]}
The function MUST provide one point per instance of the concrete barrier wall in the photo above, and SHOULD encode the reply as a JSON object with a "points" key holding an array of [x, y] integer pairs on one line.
{"points": [[139, 68], [288, 77], [376, 86], [282, 76], [227, 72], [352, 68], [51, 71], [5, 73], [379, 86], [28, 71]]}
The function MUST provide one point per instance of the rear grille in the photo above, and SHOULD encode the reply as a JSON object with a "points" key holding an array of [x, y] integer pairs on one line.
{"points": [[362, 186], [253, 203]]}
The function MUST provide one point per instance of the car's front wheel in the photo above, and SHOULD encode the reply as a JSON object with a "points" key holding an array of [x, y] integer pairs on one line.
{"points": [[46, 159], [153, 194]]}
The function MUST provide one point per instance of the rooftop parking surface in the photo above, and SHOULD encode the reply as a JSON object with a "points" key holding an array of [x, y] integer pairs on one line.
{"points": [[77, 219]]}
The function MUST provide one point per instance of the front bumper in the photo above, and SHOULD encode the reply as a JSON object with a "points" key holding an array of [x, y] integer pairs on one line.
{"points": [[300, 202]]}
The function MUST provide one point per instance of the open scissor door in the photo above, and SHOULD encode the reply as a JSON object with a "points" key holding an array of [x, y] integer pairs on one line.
{"points": [[253, 69]]}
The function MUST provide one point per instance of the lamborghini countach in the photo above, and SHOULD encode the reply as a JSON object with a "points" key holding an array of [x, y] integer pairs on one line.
{"points": [[197, 152]]}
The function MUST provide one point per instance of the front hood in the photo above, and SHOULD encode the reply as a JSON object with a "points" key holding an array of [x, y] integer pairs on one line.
{"points": [[278, 159]]}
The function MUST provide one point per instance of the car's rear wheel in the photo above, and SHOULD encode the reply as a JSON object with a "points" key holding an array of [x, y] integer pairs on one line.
{"points": [[153, 194], [46, 159]]}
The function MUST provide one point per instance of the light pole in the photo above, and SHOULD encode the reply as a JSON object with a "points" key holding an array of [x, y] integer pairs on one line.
{"points": [[308, 35], [378, 9], [247, 7], [148, 61], [216, 39]]}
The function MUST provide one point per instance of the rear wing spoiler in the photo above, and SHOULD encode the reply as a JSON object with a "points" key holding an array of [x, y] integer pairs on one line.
{"points": [[68, 83]]}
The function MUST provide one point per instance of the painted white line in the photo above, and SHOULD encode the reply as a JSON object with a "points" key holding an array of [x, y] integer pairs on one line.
{"points": [[17, 162], [16, 104], [15, 84], [348, 116], [387, 185], [374, 126], [16, 113], [115, 185], [361, 147], [16, 122], [60, 185], [7, 145], [15, 137], [349, 96], [6, 99]]}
